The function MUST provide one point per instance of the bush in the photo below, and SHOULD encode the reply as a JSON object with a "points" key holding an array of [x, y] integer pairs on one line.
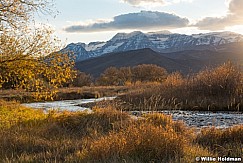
{"points": [[221, 81]]}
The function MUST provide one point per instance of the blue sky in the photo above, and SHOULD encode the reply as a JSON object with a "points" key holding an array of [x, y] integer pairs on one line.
{"points": [[98, 20]]}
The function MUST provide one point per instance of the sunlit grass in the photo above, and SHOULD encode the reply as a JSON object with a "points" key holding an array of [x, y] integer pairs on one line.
{"points": [[12, 113], [106, 135]]}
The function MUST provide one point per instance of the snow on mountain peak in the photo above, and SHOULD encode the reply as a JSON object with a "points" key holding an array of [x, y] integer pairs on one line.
{"points": [[218, 38], [122, 36], [161, 41], [165, 32], [135, 33]]}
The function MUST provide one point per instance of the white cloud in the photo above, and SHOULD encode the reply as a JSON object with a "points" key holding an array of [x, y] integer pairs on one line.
{"points": [[143, 20], [179, 1], [144, 2], [233, 17], [153, 3], [236, 28]]}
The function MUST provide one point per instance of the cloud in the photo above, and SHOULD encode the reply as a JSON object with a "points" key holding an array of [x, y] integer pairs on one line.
{"points": [[139, 21], [235, 6], [233, 17], [155, 3], [144, 2]]}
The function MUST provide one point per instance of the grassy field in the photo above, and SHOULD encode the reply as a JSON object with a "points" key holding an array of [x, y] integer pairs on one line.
{"points": [[107, 135]]}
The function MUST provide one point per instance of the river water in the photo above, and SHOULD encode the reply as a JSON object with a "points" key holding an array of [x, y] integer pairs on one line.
{"points": [[196, 119], [70, 105]]}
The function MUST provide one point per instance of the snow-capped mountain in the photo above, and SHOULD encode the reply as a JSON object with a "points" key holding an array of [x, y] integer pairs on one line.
{"points": [[77, 51], [163, 41]]}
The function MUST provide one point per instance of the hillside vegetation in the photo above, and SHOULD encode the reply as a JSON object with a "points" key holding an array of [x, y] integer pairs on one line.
{"points": [[213, 89]]}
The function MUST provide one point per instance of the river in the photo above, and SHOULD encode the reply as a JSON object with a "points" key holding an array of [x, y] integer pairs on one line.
{"points": [[70, 105], [198, 119]]}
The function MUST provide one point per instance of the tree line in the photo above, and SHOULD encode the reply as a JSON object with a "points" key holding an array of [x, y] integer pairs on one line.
{"points": [[113, 76]]}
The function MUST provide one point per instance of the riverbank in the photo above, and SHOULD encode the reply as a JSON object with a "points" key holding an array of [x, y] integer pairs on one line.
{"points": [[68, 93]]}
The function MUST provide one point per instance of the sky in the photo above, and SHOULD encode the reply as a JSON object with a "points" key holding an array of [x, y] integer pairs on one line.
{"points": [[99, 20]]}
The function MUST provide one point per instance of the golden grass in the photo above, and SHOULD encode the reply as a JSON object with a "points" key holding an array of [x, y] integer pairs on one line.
{"points": [[106, 135], [11, 113], [227, 142], [144, 142]]}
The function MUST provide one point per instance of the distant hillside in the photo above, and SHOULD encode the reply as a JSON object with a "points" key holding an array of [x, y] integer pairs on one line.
{"points": [[184, 61]]}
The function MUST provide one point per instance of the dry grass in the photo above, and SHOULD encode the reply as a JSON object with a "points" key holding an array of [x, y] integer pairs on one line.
{"points": [[106, 135], [67, 93], [12, 113], [227, 142], [144, 142], [215, 89]]}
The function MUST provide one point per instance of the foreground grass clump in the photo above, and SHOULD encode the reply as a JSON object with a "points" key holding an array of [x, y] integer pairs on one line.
{"points": [[227, 142], [155, 138], [81, 124], [144, 143], [107, 135], [11, 113]]}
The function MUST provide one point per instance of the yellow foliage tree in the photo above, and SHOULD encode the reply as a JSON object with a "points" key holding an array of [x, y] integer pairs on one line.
{"points": [[28, 57]]}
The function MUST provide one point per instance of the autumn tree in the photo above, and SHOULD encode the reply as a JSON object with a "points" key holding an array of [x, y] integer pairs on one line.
{"points": [[15, 13], [148, 73], [82, 79], [174, 79], [125, 75], [111, 76], [142, 73], [28, 57]]}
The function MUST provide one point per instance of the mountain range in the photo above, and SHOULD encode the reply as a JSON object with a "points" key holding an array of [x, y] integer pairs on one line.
{"points": [[185, 62], [160, 42]]}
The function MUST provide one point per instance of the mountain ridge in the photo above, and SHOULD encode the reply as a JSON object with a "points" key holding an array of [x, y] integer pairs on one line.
{"points": [[162, 42]]}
